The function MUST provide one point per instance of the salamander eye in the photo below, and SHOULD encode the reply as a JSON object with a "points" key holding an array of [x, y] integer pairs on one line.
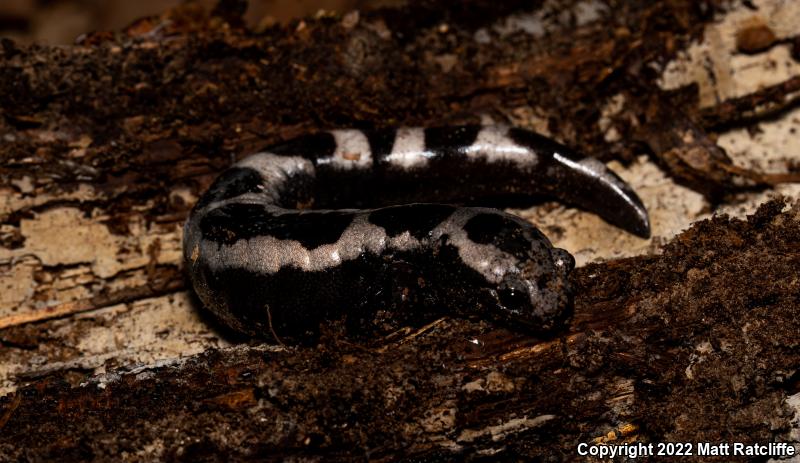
{"points": [[515, 298]]}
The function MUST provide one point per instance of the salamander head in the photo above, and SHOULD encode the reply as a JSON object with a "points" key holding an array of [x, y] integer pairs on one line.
{"points": [[530, 277]]}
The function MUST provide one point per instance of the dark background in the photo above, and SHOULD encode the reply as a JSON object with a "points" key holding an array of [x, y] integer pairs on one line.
{"points": [[60, 21]]}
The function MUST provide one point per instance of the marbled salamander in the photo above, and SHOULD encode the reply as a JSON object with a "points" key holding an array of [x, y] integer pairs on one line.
{"points": [[266, 263]]}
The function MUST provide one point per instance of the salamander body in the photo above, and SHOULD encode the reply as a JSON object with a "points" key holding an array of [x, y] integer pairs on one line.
{"points": [[370, 224]]}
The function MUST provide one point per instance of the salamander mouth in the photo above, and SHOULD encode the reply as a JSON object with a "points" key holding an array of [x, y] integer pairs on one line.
{"points": [[539, 314]]}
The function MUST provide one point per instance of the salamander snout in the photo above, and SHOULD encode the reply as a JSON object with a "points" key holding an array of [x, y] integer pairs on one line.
{"points": [[563, 261]]}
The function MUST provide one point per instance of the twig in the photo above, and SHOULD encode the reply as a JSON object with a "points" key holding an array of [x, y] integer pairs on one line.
{"points": [[89, 304], [56, 311], [7, 415], [415, 334], [272, 329], [762, 104]]}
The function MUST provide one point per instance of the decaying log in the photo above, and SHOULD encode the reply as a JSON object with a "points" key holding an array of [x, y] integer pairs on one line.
{"points": [[698, 344], [106, 145]]}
